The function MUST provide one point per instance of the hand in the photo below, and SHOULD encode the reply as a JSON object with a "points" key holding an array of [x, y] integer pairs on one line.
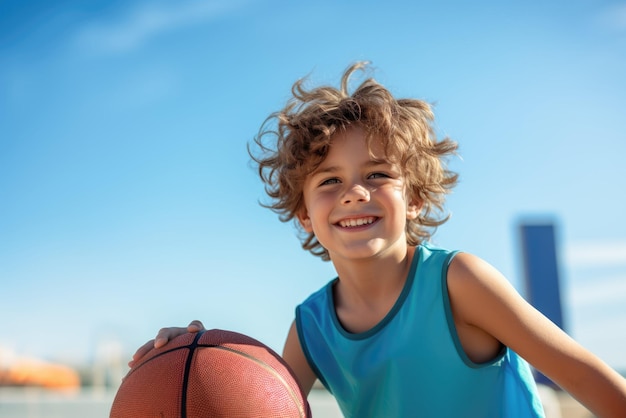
{"points": [[162, 338]]}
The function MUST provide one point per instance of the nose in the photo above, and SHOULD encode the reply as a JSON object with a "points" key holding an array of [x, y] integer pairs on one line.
{"points": [[356, 193]]}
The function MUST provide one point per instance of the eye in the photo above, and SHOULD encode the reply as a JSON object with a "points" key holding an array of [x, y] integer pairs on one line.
{"points": [[333, 180], [378, 175]]}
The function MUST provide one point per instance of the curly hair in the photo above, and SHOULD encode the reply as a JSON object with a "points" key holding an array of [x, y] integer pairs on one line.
{"points": [[294, 141]]}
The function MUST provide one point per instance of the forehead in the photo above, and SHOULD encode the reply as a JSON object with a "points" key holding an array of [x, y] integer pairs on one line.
{"points": [[355, 139]]}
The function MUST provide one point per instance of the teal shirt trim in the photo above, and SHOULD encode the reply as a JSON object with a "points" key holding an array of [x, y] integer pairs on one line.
{"points": [[412, 363], [452, 326]]}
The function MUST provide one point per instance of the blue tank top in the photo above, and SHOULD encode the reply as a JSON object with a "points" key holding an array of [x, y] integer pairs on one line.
{"points": [[412, 364]]}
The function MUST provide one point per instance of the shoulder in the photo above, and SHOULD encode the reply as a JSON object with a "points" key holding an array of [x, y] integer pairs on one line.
{"points": [[486, 304], [483, 299], [469, 273], [480, 298]]}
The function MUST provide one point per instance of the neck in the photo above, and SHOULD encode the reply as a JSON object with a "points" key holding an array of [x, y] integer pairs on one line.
{"points": [[369, 279], [368, 289]]}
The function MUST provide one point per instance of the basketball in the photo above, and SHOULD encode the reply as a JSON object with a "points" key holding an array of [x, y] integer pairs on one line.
{"points": [[214, 373]]}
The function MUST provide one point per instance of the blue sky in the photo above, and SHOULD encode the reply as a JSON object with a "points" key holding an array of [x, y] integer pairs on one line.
{"points": [[127, 201]]}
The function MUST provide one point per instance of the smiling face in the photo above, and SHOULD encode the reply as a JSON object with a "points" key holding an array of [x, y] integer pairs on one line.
{"points": [[355, 201]]}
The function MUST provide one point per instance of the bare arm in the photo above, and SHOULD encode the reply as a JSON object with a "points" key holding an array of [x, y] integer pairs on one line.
{"points": [[294, 356], [481, 297]]}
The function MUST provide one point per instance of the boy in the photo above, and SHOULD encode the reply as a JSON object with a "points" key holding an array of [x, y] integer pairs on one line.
{"points": [[406, 329]]}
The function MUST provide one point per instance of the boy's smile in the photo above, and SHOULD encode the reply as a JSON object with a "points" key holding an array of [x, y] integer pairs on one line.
{"points": [[355, 201], [353, 223]]}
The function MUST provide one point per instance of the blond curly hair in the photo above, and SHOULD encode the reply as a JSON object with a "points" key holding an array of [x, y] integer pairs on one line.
{"points": [[294, 141]]}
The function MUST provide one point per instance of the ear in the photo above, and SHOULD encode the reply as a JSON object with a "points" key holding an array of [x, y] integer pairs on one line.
{"points": [[305, 220], [414, 208]]}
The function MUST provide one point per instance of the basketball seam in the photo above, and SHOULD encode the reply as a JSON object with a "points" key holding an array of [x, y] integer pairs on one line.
{"points": [[183, 401], [294, 396]]}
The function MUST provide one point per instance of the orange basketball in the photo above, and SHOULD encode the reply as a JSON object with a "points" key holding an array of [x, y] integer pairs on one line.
{"points": [[214, 373]]}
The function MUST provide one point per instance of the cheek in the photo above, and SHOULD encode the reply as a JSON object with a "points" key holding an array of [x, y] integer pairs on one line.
{"points": [[321, 203]]}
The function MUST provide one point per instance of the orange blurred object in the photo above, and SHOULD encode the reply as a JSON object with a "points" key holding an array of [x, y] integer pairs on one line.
{"points": [[33, 372]]}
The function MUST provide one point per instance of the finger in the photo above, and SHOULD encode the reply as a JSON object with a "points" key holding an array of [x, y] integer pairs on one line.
{"points": [[141, 351], [166, 334], [195, 326]]}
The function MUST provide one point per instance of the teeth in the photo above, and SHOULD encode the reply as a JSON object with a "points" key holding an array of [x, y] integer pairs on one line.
{"points": [[356, 222]]}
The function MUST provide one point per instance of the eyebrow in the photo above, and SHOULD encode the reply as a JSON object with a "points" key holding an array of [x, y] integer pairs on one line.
{"points": [[334, 168]]}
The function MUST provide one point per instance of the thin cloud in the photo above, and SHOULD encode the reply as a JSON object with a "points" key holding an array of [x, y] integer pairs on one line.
{"points": [[142, 89], [596, 254], [601, 291], [147, 21], [613, 17]]}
